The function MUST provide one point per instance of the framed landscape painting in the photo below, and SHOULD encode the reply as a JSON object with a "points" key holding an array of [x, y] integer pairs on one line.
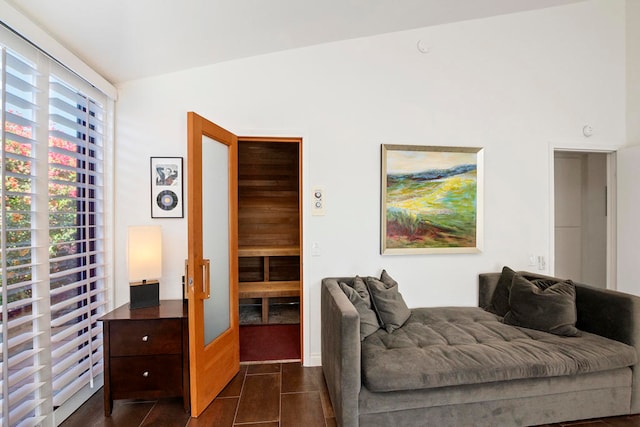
{"points": [[431, 199]]}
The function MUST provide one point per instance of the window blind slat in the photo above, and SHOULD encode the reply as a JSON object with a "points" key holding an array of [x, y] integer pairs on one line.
{"points": [[75, 358], [59, 321], [74, 387], [14, 82], [20, 66], [20, 121], [63, 136], [17, 413], [16, 156], [66, 123], [71, 375], [19, 102], [62, 337], [58, 90]]}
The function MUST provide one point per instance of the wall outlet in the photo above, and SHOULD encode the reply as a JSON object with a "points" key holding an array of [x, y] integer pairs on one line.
{"points": [[541, 263]]}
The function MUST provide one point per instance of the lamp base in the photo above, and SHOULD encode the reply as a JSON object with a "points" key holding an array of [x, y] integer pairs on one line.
{"points": [[145, 294]]}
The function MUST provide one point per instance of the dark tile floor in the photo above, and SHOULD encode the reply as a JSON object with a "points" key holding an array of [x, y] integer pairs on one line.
{"points": [[266, 395]]}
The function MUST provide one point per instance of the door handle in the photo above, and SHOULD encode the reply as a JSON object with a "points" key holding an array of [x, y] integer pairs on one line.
{"points": [[188, 281], [206, 282]]}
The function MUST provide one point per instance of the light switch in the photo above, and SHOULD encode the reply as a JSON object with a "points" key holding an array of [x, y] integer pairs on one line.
{"points": [[315, 249]]}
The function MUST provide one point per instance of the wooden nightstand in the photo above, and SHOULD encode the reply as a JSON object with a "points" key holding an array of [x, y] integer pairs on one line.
{"points": [[146, 353]]}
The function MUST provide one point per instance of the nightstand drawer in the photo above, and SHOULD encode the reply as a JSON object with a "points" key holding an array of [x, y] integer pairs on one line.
{"points": [[146, 337], [146, 353], [154, 376]]}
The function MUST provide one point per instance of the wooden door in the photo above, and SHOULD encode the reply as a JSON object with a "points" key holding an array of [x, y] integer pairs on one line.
{"points": [[212, 270]]}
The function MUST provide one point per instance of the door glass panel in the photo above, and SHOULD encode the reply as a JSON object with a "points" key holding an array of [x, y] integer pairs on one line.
{"points": [[215, 235]]}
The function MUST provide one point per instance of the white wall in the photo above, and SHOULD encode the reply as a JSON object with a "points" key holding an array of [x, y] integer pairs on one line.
{"points": [[633, 71], [511, 84]]}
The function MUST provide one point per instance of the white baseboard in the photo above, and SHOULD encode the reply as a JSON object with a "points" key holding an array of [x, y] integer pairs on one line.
{"points": [[313, 360]]}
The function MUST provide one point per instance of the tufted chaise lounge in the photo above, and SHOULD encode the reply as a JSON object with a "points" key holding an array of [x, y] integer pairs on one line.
{"points": [[458, 366]]}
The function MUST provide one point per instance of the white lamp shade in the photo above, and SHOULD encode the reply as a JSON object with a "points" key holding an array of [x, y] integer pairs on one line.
{"points": [[145, 253]]}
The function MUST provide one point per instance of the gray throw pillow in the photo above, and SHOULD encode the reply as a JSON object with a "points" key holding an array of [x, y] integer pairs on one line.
{"points": [[388, 302], [359, 297], [500, 299], [552, 309]]}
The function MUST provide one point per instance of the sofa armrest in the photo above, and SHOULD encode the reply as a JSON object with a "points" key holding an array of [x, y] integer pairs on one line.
{"points": [[487, 283], [611, 314], [340, 339], [614, 315]]}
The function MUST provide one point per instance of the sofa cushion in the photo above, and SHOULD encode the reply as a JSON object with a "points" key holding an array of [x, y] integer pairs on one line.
{"points": [[361, 300], [388, 302], [446, 346], [500, 299], [543, 305]]}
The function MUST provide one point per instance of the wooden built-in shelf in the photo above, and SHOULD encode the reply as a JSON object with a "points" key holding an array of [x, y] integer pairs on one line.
{"points": [[288, 288], [266, 290], [265, 251]]}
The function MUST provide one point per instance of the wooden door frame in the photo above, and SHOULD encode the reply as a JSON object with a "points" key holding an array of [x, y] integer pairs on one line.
{"points": [[298, 141]]}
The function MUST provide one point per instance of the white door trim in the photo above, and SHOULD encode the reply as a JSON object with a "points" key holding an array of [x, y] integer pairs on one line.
{"points": [[611, 205]]}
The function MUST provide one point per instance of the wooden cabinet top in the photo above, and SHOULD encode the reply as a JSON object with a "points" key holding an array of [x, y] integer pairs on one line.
{"points": [[168, 309]]}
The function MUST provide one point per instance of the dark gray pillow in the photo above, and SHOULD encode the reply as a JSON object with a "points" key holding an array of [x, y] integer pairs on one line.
{"points": [[500, 299], [388, 302], [359, 297], [387, 280], [552, 309]]}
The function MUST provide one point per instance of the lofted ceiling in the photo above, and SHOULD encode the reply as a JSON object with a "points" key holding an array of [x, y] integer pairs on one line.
{"points": [[130, 39]]}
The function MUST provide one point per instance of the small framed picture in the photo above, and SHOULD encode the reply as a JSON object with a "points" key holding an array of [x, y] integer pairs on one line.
{"points": [[166, 187]]}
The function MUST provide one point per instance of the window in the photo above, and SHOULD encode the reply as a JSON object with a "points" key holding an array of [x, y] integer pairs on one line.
{"points": [[53, 245]]}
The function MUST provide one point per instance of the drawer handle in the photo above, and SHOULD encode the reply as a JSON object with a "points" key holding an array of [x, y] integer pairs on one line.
{"points": [[145, 374], [145, 338]]}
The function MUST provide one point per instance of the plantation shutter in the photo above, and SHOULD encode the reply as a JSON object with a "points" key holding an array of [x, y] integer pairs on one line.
{"points": [[77, 252], [54, 251], [21, 250]]}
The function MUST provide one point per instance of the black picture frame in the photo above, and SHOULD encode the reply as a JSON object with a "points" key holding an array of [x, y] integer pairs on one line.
{"points": [[167, 189]]}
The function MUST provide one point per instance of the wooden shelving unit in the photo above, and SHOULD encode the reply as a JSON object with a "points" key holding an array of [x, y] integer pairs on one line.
{"points": [[269, 220], [268, 251], [268, 288]]}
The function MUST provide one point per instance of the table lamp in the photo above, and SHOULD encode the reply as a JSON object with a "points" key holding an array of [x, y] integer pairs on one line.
{"points": [[145, 265]]}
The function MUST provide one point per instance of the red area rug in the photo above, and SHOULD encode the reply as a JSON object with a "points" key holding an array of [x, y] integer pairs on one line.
{"points": [[260, 343]]}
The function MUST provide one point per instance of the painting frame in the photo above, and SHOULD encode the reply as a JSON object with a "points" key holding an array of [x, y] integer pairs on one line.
{"points": [[418, 215], [167, 189]]}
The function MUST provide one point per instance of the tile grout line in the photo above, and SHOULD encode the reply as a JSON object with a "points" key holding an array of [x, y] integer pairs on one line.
{"points": [[235, 415], [324, 415], [149, 412]]}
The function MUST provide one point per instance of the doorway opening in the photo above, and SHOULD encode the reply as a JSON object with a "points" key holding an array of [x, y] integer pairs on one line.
{"points": [[269, 248], [582, 229]]}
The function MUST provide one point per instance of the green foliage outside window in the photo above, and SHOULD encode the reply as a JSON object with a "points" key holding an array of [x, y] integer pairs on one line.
{"points": [[18, 190]]}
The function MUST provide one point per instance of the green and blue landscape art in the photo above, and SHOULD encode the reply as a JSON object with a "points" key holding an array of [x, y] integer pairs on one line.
{"points": [[431, 199]]}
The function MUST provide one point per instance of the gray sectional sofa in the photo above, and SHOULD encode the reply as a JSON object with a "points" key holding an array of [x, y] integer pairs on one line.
{"points": [[464, 366]]}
